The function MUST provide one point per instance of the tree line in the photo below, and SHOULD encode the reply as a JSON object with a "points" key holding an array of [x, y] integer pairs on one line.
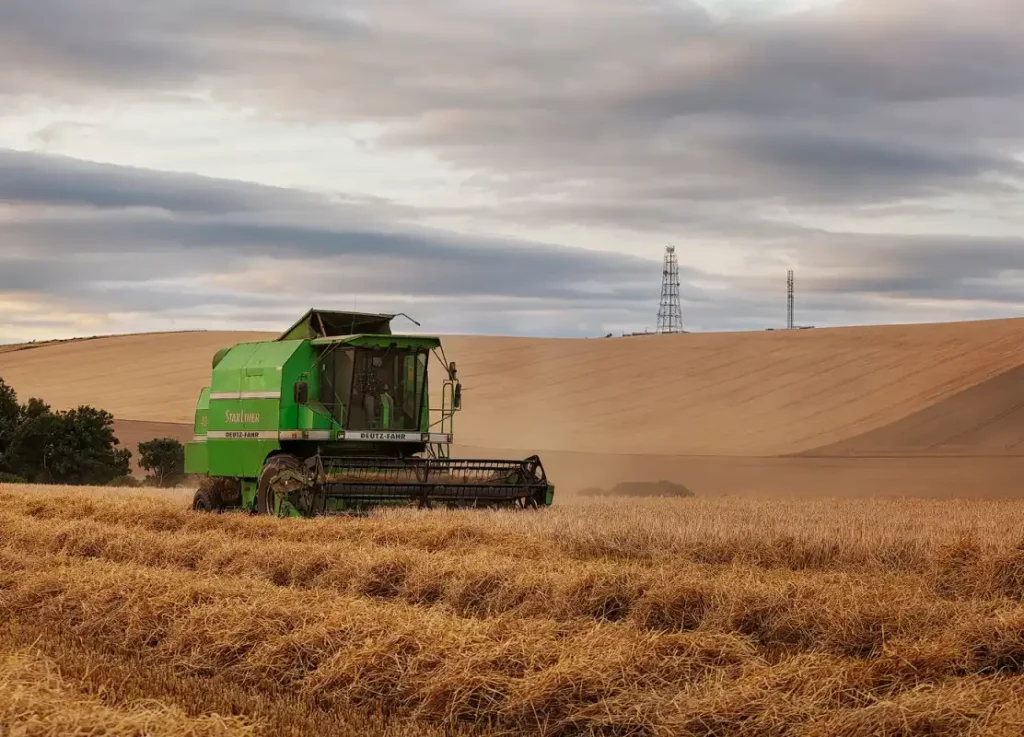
{"points": [[41, 445]]}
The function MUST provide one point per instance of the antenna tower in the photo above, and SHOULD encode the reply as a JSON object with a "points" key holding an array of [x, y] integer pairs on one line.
{"points": [[790, 288], [670, 314]]}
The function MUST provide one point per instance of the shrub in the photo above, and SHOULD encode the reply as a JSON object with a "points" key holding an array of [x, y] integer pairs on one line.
{"points": [[124, 481], [642, 489]]}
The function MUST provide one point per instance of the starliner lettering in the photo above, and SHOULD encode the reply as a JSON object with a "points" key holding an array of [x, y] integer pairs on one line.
{"points": [[241, 418]]}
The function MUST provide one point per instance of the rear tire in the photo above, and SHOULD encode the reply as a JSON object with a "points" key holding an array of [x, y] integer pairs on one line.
{"points": [[204, 501]]}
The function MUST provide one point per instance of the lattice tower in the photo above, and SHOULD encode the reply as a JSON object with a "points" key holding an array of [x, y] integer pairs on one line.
{"points": [[670, 314], [790, 289]]}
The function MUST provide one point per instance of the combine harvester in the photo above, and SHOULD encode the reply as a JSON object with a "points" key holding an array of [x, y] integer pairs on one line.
{"points": [[333, 417]]}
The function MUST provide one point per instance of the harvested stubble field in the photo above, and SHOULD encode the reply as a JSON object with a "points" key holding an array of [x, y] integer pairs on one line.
{"points": [[126, 613]]}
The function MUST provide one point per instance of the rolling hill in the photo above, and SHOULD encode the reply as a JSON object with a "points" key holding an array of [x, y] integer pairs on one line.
{"points": [[848, 391], [904, 410]]}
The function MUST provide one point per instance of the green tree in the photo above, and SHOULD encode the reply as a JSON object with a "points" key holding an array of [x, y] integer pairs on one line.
{"points": [[73, 447], [10, 416], [34, 408], [164, 459], [95, 457], [35, 448]]}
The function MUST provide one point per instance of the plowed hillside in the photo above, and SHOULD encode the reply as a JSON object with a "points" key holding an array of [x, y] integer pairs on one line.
{"points": [[987, 419], [753, 394], [765, 393]]}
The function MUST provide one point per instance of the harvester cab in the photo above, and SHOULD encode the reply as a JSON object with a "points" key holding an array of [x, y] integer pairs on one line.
{"points": [[338, 415]]}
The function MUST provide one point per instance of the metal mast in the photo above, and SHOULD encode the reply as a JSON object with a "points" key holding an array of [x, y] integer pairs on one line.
{"points": [[790, 282], [670, 314]]}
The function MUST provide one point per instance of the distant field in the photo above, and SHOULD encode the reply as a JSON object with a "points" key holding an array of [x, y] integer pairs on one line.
{"points": [[949, 389], [655, 617]]}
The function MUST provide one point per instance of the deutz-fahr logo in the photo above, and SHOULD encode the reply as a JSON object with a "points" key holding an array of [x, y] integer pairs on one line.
{"points": [[383, 436], [245, 418]]}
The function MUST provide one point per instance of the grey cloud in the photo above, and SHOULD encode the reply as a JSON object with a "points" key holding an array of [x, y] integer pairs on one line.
{"points": [[73, 47], [645, 117], [902, 51], [836, 106], [155, 254], [400, 261], [969, 274], [835, 109], [870, 169], [29, 177], [199, 215], [152, 251], [948, 255]]}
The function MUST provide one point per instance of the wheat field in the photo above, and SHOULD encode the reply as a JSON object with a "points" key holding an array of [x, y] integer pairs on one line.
{"points": [[126, 613]]}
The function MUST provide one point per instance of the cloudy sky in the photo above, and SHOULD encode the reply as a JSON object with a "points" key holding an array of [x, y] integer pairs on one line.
{"points": [[508, 166]]}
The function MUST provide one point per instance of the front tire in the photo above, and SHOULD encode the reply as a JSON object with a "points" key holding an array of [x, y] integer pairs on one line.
{"points": [[265, 487]]}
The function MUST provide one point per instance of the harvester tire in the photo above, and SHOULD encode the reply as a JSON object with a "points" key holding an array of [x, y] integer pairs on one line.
{"points": [[204, 501], [265, 484]]}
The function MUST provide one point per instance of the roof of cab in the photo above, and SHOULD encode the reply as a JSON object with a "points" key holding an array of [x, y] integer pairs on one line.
{"points": [[317, 324]]}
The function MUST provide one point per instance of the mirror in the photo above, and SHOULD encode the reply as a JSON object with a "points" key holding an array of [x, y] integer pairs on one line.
{"points": [[458, 396], [452, 371], [301, 392]]}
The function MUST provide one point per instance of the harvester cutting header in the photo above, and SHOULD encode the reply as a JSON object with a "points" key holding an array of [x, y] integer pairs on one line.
{"points": [[334, 416]]}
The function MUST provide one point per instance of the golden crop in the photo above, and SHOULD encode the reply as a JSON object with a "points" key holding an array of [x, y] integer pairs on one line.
{"points": [[674, 617]]}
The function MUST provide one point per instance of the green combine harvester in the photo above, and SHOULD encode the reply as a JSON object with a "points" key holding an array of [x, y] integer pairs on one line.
{"points": [[334, 417]]}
